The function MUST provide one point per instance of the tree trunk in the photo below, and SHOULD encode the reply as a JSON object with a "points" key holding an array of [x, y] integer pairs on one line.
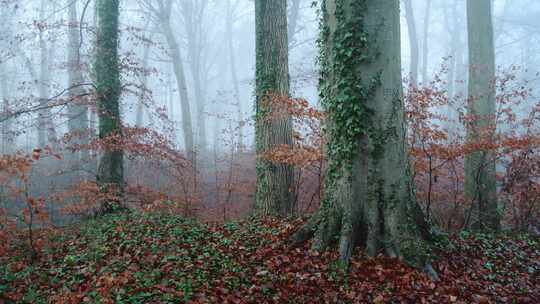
{"points": [[77, 112], [369, 195], [110, 170], [293, 21], [193, 11], [7, 138], [144, 85], [425, 48], [234, 76], [480, 181], [174, 48], [455, 67], [46, 130], [274, 192], [413, 41]]}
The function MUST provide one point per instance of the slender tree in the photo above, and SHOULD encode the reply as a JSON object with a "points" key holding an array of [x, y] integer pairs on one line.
{"points": [[107, 82], [413, 41], [46, 129], [294, 13], [274, 193], [425, 40], [161, 14], [144, 82], [368, 187], [193, 14], [7, 139], [480, 181], [234, 75], [78, 112]]}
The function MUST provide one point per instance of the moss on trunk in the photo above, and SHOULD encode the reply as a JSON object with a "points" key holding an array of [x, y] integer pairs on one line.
{"points": [[369, 196], [107, 82], [480, 180]]}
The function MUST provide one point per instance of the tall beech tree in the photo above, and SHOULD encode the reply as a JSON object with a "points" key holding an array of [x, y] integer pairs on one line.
{"points": [[369, 195], [107, 82], [161, 14], [480, 181], [46, 129], [274, 193], [78, 113]]}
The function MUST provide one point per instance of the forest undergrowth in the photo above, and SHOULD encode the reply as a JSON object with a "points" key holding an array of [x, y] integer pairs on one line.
{"points": [[162, 258]]}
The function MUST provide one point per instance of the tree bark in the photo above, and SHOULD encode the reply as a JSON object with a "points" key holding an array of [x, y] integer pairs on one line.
{"points": [[274, 192], [480, 180], [369, 196], [108, 88]]}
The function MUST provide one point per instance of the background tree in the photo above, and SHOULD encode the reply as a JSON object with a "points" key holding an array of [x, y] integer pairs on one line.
{"points": [[77, 110], [368, 187], [293, 17], [413, 41], [425, 41], [6, 136], [274, 193], [480, 180], [193, 13], [107, 82], [46, 128], [229, 21], [161, 14]]}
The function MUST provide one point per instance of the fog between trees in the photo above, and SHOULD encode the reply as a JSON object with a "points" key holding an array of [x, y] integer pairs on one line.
{"points": [[169, 101]]}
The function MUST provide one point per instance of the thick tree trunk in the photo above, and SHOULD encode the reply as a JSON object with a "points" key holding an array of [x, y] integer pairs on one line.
{"points": [[107, 73], [77, 112], [174, 48], [368, 188], [480, 181], [413, 41], [274, 192]]}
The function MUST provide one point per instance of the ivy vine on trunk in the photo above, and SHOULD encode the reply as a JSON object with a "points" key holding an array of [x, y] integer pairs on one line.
{"points": [[369, 196]]}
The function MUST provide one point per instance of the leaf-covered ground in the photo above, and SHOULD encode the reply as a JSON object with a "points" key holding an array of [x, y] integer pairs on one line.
{"points": [[165, 259]]}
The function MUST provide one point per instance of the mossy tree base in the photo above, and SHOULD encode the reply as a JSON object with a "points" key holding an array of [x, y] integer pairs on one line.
{"points": [[369, 198]]}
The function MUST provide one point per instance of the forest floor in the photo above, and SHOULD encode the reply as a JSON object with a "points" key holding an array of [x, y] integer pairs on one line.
{"points": [[133, 258]]}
